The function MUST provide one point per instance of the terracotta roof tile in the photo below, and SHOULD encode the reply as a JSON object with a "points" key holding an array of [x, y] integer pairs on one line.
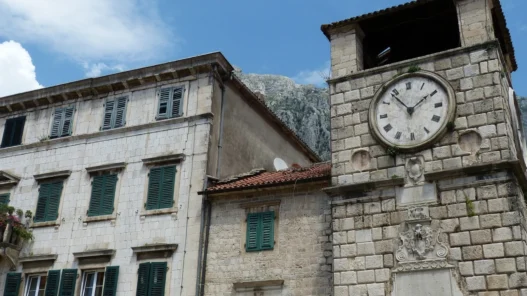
{"points": [[260, 177]]}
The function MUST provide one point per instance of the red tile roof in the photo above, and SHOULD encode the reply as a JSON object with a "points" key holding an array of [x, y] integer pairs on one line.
{"points": [[262, 178]]}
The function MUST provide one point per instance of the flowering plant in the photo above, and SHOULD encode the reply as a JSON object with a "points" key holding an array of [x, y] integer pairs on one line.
{"points": [[8, 216]]}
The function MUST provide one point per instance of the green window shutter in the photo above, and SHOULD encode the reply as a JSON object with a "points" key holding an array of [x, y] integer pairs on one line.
{"points": [[154, 185], [12, 284], [166, 193], [67, 282], [9, 129], [158, 274], [177, 102], [267, 222], [253, 225], [67, 121], [4, 198], [48, 201], [120, 112], [163, 108], [13, 130], [96, 195], [108, 114], [57, 120], [110, 281], [52, 283], [143, 276]]}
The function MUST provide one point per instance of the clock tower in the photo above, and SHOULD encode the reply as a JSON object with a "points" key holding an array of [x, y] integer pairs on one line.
{"points": [[428, 168]]}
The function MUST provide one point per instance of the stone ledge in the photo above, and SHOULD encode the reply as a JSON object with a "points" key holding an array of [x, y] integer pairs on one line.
{"points": [[52, 175], [173, 158], [100, 218], [94, 253], [364, 186], [38, 258], [56, 224], [106, 167], [154, 251], [256, 284]]}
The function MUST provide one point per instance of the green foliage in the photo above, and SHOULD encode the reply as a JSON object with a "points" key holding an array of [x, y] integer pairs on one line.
{"points": [[470, 206], [7, 217], [413, 69], [395, 176], [451, 126], [392, 151]]}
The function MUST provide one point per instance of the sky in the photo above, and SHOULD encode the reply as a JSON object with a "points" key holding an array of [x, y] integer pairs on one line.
{"points": [[45, 43]]}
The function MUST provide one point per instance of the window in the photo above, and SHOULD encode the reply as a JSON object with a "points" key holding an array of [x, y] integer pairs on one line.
{"points": [[260, 231], [151, 279], [102, 195], [98, 283], [62, 122], [114, 113], [13, 130], [48, 201], [4, 198], [36, 285], [161, 188], [170, 102], [12, 284]]}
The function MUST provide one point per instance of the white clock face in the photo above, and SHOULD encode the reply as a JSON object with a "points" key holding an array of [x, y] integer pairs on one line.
{"points": [[412, 111]]}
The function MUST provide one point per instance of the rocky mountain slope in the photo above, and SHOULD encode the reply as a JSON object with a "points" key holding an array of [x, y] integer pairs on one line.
{"points": [[304, 108]]}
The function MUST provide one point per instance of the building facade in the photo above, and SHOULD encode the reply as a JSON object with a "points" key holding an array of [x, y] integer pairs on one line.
{"points": [[110, 168]]}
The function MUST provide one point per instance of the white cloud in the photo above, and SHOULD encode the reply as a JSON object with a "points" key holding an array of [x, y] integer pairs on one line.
{"points": [[94, 70], [114, 32], [17, 72], [317, 77]]}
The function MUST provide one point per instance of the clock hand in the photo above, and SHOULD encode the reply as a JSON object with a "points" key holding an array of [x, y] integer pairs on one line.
{"points": [[424, 98], [410, 110]]}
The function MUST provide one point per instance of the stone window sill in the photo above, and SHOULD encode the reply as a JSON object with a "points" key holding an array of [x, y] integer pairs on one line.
{"points": [[56, 224], [99, 218], [172, 211]]}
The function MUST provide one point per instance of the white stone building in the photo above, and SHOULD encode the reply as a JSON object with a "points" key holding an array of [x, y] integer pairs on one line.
{"points": [[111, 167]]}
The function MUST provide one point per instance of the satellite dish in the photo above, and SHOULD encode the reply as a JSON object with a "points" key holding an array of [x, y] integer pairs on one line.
{"points": [[279, 164]]}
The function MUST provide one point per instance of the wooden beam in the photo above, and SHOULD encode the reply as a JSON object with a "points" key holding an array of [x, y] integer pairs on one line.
{"points": [[50, 100], [125, 84], [9, 108], [158, 78]]}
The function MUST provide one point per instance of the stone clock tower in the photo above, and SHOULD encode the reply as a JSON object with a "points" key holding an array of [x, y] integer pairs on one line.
{"points": [[428, 170]]}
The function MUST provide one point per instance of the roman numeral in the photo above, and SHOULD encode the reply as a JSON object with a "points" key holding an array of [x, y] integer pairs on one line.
{"points": [[422, 85], [433, 93], [387, 103], [408, 85], [398, 135], [387, 127], [383, 116], [412, 136], [395, 91], [426, 130], [437, 105], [436, 118]]}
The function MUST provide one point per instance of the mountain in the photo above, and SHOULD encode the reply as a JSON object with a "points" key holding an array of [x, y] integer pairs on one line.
{"points": [[522, 102], [304, 108]]}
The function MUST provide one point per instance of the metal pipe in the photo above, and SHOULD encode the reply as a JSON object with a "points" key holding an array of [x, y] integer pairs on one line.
{"points": [[220, 142]]}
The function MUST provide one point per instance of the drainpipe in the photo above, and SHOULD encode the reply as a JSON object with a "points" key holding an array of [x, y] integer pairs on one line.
{"points": [[199, 283], [206, 245], [220, 143]]}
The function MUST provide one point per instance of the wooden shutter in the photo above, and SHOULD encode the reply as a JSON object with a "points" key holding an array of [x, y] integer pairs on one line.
{"points": [[164, 100], [8, 133], [67, 282], [267, 241], [67, 121], [154, 185], [177, 102], [158, 274], [111, 277], [52, 283], [48, 201], [166, 194], [4, 198], [108, 114], [102, 195], [12, 284], [120, 112], [56, 125], [143, 276], [97, 186], [253, 225]]}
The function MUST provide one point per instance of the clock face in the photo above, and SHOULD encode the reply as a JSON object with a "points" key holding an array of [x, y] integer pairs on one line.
{"points": [[412, 110]]}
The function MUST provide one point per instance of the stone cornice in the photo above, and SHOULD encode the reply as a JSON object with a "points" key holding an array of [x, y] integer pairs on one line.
{"points": [[172, 158], [364, 186], [52, 175], [106, 167]]}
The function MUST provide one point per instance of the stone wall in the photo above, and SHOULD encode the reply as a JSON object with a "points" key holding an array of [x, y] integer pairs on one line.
{"points": [[481, 106], [130, 225], [480, 218], [474, 21], [302, 252]]}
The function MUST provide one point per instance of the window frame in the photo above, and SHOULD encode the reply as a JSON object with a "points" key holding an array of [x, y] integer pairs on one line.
{"points": [[148, 288], [15, 122], [83, 280], [261, 244], [114, 111], [46, 220], [175, 188], [114, 198], [170, 103], [62, 121], [28, 283]]}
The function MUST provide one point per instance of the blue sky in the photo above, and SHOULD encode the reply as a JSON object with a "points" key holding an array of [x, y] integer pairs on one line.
{"points": [[68, 40]]}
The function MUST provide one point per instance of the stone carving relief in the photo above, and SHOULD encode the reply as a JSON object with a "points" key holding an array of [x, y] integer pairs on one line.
{"points": [[419, 246], [414, 169]]}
